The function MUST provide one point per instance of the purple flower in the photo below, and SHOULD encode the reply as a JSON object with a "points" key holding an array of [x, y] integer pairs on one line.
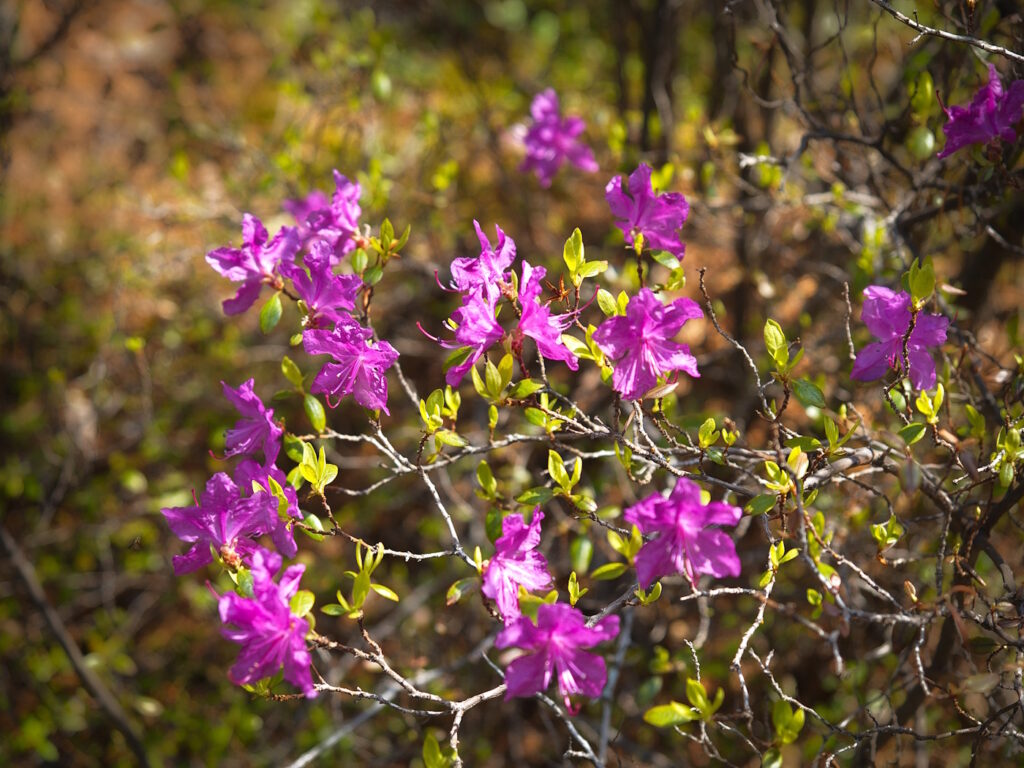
{"points": [[271, 636], [641, 213], [551, 141], [537, 321], [516, 563], [223, 520], [256, 430], [254, 263], [886, 313], [684, 543], [248, 472], [554, 644], [360, 365], [476, 330], [991, 114], [324, 293], [303, 208], [640, 343], [332, 222], [488, 271]]}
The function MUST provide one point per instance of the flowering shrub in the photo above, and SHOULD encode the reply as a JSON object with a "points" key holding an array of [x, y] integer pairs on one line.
{"points": [[753, 511]]}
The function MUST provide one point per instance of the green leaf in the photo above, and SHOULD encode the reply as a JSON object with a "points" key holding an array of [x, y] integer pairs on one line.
{"points": [[787, 722], [556, 468], [666, 259], [373, 275], [762, 503], [804, 443], [607, 303], [707, 435], [270, 314], [360, 589], [313, 522], [775, 342], [291, 372], [333, 609], [831, 432], [808, 394], [461, 588], [432, 755], [302, 602], [314, 412], [535, 496], [581, 551], [772, 759], [505, 367], [921, 282], [911, 433], [485, 477], [386, 592], [572, 252], [453, 439], [696, 695], [525, 388], [456, 357], [592, 268], [609, 571], [668, 715]]}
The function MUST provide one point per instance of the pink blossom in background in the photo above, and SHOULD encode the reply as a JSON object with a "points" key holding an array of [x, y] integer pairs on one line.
{"points": [[992, 113], [552, 141]]}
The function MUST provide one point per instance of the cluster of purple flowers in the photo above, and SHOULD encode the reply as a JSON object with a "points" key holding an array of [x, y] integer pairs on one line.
{"points": [[227, 520], [327, 231], [234, 512], [483, 281], [553, 643]]}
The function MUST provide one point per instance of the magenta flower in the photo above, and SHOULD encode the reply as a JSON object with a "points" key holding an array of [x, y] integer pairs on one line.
{"points": [[223, 520], [476, 330], [640, 343], [516, 563], [332, 222], [551, 141], [991, 114], [255, 263], [553, 646], [302, 209], [537, 321], [256, 430], [642, 213], [325, 294], [886, 313], [248, 472], [271, 636], [359, 367], [684, 543], [489, 270]]}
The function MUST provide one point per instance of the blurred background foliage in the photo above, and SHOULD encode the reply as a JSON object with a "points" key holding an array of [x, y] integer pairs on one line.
{"points": [[136, 132]]}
